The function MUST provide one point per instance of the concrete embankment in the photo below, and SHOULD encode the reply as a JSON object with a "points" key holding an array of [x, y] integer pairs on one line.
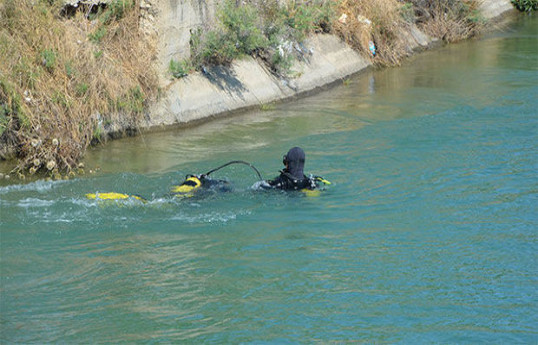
{"points": [[247, 82], [111, 103]]}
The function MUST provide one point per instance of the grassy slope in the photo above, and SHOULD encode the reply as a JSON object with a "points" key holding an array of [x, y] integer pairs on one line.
{"points": [[62, 79]]}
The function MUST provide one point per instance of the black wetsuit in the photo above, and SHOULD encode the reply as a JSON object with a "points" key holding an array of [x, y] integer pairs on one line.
{"points": [[289, 182], [293, 177]]}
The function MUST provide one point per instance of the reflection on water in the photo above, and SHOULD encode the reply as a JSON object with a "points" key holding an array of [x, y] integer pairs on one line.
{"points": [[427, 234]]}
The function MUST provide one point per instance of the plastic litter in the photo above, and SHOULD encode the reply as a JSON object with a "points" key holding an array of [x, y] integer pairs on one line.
{"points": [[371, 46]]}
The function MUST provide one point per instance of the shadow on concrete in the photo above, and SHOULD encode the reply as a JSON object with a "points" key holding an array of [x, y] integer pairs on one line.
{"points": [[226, 80]]}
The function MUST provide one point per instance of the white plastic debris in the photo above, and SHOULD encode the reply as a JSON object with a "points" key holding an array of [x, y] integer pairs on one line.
{"points": [[364, 20]]}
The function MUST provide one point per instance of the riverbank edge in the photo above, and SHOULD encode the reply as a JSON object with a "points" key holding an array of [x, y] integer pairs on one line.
{"points": [[249, 84]]}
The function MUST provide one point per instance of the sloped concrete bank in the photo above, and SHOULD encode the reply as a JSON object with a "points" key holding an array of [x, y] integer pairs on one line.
{"points": [[247, 82]]}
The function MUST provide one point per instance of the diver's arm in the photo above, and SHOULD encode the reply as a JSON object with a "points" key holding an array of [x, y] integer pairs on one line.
{"points": [[278, 182]]}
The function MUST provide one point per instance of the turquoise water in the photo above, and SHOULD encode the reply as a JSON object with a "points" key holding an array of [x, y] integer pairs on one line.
{"points": [[428, 233]]}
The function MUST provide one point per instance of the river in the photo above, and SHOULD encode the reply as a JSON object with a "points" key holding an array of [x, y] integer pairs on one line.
{"points": [[427, 234]]}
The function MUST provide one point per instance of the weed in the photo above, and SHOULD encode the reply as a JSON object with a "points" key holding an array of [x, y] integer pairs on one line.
{"points": [[9, 100], [267, 107], [132, 101], [81, 89], [60, 98], [281, 62], [180, 69], [97, 135], [407, 12], [137, 99], [97, 35], [49, 58], [28, 73], [115, 11], [69, 69], [4, 120]]}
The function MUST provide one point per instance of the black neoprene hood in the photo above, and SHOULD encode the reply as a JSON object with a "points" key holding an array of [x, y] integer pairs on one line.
{"points": [[296, 158]]}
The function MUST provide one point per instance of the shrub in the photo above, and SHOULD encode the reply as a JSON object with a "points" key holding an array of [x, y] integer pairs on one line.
{"points": [[450, 20], [243, 26], [216, 48], [239, 33], [260, 28], [303, 18], [526, 5]]}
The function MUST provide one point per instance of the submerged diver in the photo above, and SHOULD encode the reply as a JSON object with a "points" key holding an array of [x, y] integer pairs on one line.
{"points": [[293, 177]]}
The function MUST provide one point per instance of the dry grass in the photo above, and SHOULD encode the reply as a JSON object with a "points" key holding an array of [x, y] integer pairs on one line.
{"points": [[63, 80], [451, 20], [384, 30]]}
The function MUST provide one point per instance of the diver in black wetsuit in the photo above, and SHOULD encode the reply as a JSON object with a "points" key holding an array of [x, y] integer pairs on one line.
{"points": [[293, 177]]}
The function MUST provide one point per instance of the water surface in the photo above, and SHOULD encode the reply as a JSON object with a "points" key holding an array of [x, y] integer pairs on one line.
{"points": [[427, 234]]}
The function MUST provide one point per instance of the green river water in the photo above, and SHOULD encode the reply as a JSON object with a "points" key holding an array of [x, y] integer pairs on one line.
{"points": [[428, 233]]}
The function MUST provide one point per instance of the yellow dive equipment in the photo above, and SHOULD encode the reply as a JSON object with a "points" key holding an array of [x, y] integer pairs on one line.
{"points": [[311, 192], [315, 192], [322, 180], [112, 196], [189, 185]]}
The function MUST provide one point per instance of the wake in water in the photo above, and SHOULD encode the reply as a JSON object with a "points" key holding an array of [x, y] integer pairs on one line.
{"points": [[64, 202]]}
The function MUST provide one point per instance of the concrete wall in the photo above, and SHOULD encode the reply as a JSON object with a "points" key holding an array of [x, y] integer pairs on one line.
{"points": [[174, 21], [495, 8], [248, 83]]}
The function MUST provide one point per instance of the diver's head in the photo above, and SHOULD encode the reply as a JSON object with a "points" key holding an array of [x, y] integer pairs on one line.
{"points": [[294, 161]]}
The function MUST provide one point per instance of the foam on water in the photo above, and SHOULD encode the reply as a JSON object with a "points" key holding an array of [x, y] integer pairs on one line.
{"points": [[40, 186], [35, 202]]}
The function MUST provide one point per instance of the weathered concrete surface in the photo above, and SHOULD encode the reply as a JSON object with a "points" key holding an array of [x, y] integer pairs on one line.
{"points": [[175, 19], [248, 83], [494, 8]]}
